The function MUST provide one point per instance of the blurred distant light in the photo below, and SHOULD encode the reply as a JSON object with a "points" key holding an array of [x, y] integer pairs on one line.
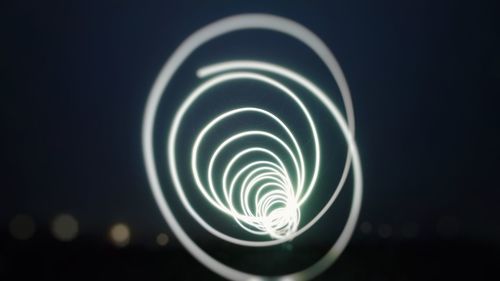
{"points": [[22, 227], [162, 239], [447, 226], [385, 231], [65, 227], [410, 230], [366, 227], [120, 234]]}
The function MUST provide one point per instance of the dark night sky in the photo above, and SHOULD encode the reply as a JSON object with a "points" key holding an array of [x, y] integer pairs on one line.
{"points": [[423, 75]]}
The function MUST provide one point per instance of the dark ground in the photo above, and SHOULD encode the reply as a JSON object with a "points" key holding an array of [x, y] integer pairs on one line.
{"points": [[44, 258]]}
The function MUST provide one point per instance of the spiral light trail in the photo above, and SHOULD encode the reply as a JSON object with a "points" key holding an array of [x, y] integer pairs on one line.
{"points": [[275, 210], [257, 177]]}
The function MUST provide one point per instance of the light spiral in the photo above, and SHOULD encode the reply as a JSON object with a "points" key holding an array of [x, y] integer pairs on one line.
{"points": [[275, 208], [258, 177]]}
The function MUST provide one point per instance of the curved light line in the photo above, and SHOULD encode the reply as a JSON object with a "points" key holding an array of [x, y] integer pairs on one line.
{"points": [[231, 24], [171, 150], [263, 66]]}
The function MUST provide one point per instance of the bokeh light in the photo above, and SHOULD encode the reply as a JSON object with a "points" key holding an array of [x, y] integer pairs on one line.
{"points": [[385, 231], [64, 227], [162, 239], [366, 227], [120, 234], [22, 227]]}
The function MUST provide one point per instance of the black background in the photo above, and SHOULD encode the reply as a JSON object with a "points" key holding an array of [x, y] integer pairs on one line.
{"points": [[424, 78]]}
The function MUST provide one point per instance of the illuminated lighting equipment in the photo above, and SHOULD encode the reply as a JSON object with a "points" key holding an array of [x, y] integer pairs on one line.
{"points": [[268, 199]]}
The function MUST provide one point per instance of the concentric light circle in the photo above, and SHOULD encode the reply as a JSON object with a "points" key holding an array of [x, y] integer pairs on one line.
{"points": [[264, 197]]}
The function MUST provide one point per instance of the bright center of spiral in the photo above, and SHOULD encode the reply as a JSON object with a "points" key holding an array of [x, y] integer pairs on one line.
{"points": [[259, 190]]}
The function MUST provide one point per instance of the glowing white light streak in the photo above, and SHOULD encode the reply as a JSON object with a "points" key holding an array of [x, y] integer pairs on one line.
{"points": [[294, 196], [269, 199]]}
